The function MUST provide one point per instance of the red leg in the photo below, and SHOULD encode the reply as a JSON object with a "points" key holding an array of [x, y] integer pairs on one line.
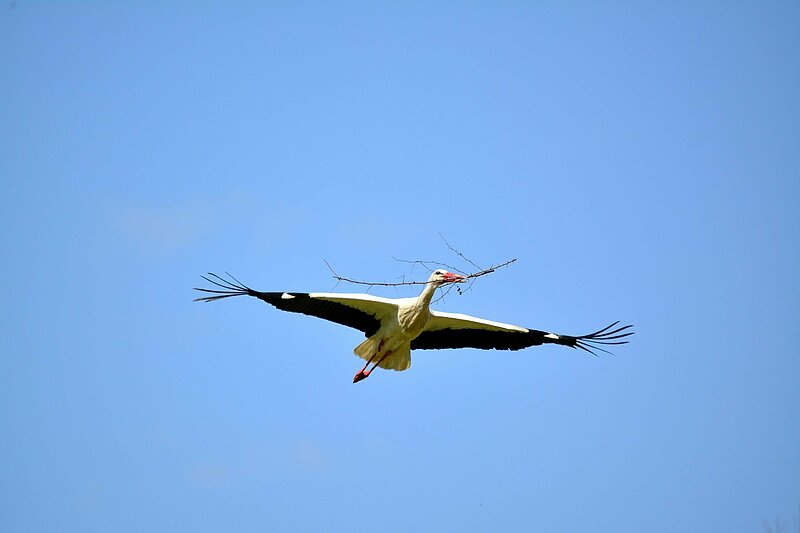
{"points": [[363, 373], [387, 354]]}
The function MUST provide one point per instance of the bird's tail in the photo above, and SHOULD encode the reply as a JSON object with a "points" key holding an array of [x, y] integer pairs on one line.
{"points": [[594, 341], [225, 288], [370, 349]]}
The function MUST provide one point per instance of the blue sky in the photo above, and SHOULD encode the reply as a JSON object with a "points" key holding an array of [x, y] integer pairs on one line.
{"points": [[640, 162]]}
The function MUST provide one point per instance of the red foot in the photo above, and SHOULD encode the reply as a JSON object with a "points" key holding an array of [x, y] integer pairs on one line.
{"points": [[361, 375]]}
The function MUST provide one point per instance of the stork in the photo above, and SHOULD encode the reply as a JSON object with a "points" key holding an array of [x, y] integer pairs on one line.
{"points": [[395, 326]]}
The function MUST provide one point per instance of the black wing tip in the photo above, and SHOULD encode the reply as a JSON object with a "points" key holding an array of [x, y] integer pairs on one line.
{"points": [[225, 288], [604, 337]]}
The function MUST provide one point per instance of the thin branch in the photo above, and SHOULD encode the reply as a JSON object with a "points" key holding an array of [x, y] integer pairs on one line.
{"points": [[427, 265], [472, 276], [430, 266], [458, 253]]}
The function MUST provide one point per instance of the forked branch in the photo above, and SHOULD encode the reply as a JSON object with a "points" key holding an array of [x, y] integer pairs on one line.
{"points": [[473, 275], [430, 266]]}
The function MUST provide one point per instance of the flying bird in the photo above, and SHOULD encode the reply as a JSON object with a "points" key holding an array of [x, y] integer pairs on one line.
{"points": [[395, 326]]}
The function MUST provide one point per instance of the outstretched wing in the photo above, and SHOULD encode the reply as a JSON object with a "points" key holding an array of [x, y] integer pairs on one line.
{"points": [[363, 312], [453, 330]]}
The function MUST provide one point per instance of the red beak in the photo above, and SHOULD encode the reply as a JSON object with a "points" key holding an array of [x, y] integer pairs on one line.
{"points": [[450, 277]]}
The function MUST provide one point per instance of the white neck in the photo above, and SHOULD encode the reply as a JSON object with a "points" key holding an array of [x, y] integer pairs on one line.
{"points": [[427, 294]]}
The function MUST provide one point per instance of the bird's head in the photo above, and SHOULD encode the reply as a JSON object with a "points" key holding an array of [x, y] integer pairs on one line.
{"points": [[440, 277]]}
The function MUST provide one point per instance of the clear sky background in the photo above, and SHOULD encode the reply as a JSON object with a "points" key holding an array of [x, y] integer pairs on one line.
{"points": [[642, 163]]}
